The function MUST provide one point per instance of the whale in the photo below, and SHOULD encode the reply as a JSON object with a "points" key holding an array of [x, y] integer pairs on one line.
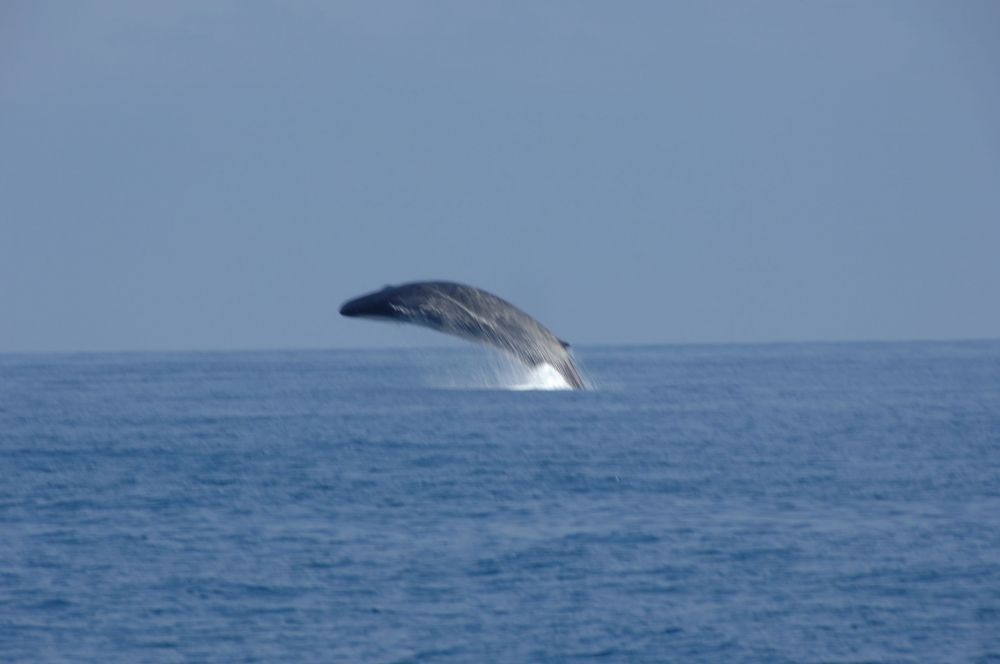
{"points": [[472, 314]]}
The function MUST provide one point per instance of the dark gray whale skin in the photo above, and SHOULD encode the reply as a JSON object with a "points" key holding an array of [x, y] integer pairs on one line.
{"points": [[472, 314]]}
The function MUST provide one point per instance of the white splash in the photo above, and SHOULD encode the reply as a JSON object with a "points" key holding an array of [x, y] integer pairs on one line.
{"points": [[542, 377], [494, 371]]}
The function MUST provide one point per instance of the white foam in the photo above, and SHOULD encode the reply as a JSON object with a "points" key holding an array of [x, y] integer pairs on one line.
{"points": [[494, 371], [542, 377]]}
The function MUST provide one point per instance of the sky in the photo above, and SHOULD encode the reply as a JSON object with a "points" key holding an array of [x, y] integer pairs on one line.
{"points": [[223, 175]]}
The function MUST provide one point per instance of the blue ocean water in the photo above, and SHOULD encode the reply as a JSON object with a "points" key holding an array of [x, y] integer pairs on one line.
{"points": [[772, 503]]}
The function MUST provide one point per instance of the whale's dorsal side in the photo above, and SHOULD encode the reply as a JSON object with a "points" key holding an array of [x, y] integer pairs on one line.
{"points": [[470, 313]]}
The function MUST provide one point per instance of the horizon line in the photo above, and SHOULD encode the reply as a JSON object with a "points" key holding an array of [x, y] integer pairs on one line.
{"points": [[599, 345]]}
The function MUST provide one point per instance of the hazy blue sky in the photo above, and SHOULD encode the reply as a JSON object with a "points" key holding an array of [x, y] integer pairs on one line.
{"points": [[199, 175]]}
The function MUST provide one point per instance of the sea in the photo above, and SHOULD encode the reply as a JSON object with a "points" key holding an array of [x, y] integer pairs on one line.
{"points": [[700, 503]]}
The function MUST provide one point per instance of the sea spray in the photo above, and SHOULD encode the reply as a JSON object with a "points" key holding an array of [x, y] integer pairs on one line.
{"points": [[495, 371]]}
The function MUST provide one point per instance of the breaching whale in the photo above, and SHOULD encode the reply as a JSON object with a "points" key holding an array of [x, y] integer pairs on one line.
{"points": [[472, 314]]}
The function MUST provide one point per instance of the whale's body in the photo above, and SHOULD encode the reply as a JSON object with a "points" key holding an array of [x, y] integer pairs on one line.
{"points": [[470, 313]]}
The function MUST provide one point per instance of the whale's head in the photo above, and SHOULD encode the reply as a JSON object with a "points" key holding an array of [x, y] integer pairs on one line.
{"points": [[380, 304]]}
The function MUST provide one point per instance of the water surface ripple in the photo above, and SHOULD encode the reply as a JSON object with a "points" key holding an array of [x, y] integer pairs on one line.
{"points": [[779, 503]]}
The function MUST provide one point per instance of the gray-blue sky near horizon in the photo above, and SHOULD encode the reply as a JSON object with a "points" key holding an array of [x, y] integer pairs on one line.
{"points": [[192, 175]]}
